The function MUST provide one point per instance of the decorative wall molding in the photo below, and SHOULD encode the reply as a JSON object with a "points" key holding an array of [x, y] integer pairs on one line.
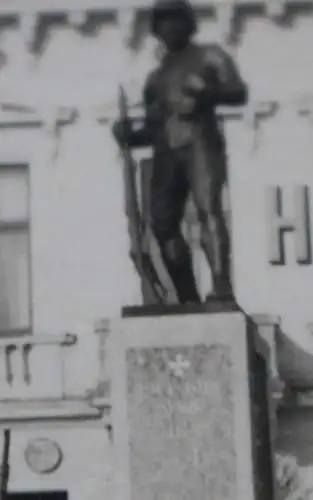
{"points": [[43, 455], [268, 325], [101, 394], [77, 18], [51, 120], [126, 19], [276, 9], [266, 319], [66, 339], [253, 114], [30, 12], [13, 115], [225, 12], [33, 118], [16, 7], [22, 412], [310, 328], [29, 22], [305, 108], [255, 110]]}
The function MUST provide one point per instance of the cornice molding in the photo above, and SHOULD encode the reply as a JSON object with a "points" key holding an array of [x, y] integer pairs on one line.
{"points": [[126, 19], [66, 339], [225, 14], [276, 9], [18, 412], [12, 7], [29, 14], [77, 18], [105, 115], [12, 116], [16, 119]]}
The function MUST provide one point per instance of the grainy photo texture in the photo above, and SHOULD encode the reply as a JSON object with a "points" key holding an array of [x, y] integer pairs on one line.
{"points": [[156, 250]]}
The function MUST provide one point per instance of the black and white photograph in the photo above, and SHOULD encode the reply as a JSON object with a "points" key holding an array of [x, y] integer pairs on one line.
{"points": [[156, 266]]}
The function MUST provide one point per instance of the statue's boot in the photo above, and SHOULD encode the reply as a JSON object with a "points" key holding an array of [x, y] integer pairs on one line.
{"points": [[177, 260], [222, 281], [222, 292], [184, 282], [215, 243]]}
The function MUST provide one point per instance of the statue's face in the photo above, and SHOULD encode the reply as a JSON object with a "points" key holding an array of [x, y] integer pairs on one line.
{"points": [[173, 31]]}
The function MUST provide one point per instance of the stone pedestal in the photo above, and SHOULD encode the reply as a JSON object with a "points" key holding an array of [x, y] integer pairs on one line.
{"points": [[190, 407]]}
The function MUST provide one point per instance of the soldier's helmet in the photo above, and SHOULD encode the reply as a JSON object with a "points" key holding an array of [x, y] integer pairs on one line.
{"points": [[162, 8]]}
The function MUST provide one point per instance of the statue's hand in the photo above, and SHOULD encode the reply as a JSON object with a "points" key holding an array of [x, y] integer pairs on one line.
{"points": [[122, 131], [187, 107], [154, 114], [200, 90], [194, 85]]}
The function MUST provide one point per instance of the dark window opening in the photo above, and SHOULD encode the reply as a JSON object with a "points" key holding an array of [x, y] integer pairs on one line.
{"points": [[38, 495]]}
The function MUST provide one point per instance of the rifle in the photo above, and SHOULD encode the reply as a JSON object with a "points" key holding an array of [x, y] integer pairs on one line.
{"points": [[4, 477], [152, 288]]}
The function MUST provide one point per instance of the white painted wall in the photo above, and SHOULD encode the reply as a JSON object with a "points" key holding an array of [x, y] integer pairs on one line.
{"points": [[85, 469], [277, 63], [81, 270], [80, 266]]}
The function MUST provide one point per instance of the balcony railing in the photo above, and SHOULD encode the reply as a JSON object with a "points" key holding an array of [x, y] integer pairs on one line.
{"points": [[34, 370], [33, 367]]}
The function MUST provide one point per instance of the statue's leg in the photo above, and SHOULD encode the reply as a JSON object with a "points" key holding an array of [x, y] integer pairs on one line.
{"points": [[208, 176], [169, 191]]}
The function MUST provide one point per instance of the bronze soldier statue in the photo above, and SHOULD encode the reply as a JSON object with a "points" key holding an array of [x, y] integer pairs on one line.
{"points": [[180, 99]]}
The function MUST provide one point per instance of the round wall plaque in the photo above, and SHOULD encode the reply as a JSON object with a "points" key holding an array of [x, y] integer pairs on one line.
{"points": [[43, 456]]}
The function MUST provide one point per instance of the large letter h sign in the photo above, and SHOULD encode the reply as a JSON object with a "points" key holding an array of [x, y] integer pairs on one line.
{"points": [[295, 220]]}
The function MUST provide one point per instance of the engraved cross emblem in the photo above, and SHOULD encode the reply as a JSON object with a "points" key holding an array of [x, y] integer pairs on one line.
{"points": [[179, 366]]}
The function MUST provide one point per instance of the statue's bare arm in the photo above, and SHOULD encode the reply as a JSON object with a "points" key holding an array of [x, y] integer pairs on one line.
{"points": [[230, 88], [220, 82]]}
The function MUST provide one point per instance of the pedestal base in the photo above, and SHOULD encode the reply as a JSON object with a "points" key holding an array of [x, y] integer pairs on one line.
{"points": [[213, 305], [190, 406]]}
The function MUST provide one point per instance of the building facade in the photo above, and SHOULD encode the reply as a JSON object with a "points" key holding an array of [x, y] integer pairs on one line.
{"points": [[64, 261]]}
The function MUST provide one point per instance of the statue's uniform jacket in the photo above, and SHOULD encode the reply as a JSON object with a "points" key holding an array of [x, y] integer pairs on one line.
{"points": [[189, 155]]}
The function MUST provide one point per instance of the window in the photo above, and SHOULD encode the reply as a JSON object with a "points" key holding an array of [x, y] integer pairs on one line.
{"points": [[15, 300]]}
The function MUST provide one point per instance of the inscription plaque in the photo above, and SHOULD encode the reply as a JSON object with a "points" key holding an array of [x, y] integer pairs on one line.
{"points": [[180, 413]]}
